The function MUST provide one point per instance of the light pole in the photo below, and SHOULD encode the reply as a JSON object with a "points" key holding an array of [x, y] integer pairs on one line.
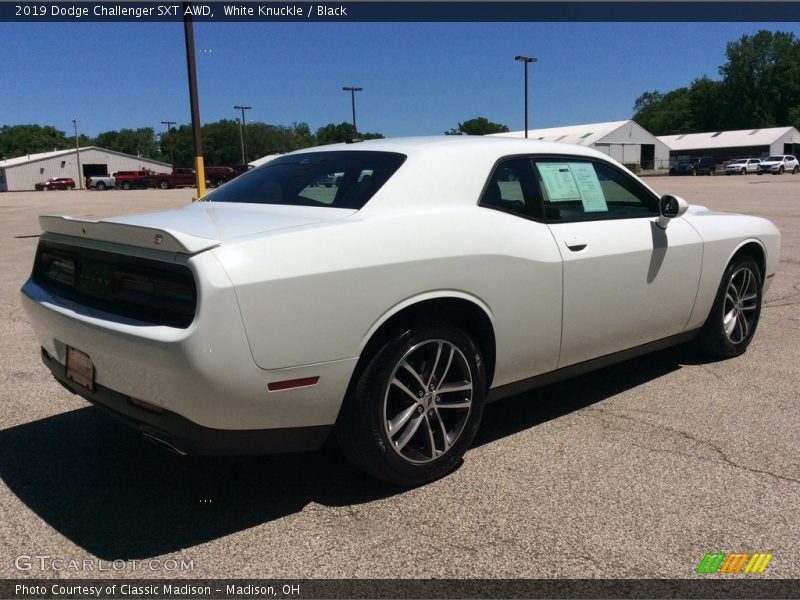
{"points": [[241, 131], [526, 60], [78, 154], [353, 91], [169, 125]]}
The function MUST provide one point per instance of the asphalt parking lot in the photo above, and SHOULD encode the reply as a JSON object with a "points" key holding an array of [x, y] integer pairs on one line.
{"points": [[635, 471]]}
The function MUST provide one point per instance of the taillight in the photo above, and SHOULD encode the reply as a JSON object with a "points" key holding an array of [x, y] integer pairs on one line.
{"points": [[152, 292], [57, 268]]}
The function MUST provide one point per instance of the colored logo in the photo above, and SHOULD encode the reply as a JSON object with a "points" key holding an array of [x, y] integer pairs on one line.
{"points": [[736, 562]]}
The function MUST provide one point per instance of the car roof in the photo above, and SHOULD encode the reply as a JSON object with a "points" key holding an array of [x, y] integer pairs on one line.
{"points": [[501, 146]]}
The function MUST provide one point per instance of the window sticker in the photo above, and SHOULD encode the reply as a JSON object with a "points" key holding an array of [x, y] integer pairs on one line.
{"points": [[566, 182], [559, 182], [592, 196]]}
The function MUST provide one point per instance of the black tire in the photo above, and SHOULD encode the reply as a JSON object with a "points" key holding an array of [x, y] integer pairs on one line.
{"points": [[219, 182], [794, 171], [126, 185], [694, 172], [733, 319], [780, 171], [100, 186], [743, 172], [163, 184], [433, 428]]}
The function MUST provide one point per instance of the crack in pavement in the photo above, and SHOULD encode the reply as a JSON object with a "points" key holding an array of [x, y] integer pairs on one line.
{"points": [[691, 438]]}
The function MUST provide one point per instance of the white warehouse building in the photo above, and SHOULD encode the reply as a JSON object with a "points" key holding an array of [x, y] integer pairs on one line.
{"points": [[624, 141], [24, 172], [744, 143]]}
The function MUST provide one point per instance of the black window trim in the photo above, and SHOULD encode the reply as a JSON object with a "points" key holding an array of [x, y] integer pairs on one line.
{"points": [[561, 157]]}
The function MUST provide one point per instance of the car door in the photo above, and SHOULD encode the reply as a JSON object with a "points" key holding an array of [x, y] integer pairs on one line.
{"points": [[627, 281]]}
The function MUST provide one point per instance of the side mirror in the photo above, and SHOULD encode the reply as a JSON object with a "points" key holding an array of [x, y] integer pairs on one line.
{"points": [[670, 208]]}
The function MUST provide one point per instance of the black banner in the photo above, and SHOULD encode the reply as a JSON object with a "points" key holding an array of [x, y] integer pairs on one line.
{"points": [[202, 589], [277, 11]]}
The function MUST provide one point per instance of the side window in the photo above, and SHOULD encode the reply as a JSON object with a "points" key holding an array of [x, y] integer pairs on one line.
{"points": [[512, 188], [582, 190]]}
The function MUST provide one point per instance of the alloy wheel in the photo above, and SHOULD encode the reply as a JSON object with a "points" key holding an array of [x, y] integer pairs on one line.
{"points": [[428, 401], [739, 310]]}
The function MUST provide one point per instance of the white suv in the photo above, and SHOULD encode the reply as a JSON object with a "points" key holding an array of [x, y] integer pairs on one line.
{"points": [[778, 164], [743, 166]]}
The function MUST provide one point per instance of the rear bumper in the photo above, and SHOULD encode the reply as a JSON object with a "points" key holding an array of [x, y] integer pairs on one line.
{"points": [[186, 437]]}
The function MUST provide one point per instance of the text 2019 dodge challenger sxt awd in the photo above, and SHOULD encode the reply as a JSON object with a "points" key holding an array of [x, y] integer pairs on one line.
{"points": [[433, 275]]}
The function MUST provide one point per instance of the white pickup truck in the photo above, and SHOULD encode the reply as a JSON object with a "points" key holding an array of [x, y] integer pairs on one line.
{"points": [[102, 183]]}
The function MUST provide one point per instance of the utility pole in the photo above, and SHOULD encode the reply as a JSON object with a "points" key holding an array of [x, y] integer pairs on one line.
{"points": [[241, 132], [78, 154], [169, 125]]}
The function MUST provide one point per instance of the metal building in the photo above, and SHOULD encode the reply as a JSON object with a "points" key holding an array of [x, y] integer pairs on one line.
{"points": [[624, 141], [24, 172], [725, 145]]}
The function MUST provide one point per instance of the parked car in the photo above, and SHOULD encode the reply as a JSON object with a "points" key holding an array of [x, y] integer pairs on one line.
{"points": [[443, 273], [141, 179], [101, 183], [779, 164], [180, 177], [703, 165], [742, 166], [216, 176], [56, 183]]}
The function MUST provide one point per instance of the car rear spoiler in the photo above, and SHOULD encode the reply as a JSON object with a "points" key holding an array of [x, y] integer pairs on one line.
{"points": [[132, 235]]}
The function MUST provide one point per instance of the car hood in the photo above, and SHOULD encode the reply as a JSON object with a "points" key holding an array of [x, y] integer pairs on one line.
{"points": [[195, 227]]}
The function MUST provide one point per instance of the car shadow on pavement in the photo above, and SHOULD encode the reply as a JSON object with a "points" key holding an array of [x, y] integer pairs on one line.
{"points": [[518, 413], [99, 484]]}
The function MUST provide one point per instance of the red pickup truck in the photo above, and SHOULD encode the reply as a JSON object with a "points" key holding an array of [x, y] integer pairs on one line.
{"points": [[216, 176], [180, 177], [134, 179]]}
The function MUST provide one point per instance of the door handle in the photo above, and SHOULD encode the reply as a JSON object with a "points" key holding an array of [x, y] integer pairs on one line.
{"points": [[576, 244]]}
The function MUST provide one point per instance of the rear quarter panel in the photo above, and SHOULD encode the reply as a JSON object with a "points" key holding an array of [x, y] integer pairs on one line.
{"points": [[316, 294]]}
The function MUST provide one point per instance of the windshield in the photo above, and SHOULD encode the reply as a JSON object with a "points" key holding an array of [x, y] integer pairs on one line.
{"points": [[339, 179], [774, 159]]}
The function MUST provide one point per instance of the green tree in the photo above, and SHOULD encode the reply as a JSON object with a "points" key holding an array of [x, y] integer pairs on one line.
{"points": [[19, 140], [477, 126], [222, 143], [663, 114], [333, 134], [760, 87], [137, 142], [707, 103], [762, 79]]}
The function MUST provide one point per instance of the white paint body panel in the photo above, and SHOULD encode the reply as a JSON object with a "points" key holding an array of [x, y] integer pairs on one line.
{"points": [[632, 284]]}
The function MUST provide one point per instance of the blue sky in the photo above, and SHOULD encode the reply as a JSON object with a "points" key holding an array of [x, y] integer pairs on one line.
{"points": [[418, 78]]}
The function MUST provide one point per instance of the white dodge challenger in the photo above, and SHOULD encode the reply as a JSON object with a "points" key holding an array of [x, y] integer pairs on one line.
{"points": [[384, 291]]}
